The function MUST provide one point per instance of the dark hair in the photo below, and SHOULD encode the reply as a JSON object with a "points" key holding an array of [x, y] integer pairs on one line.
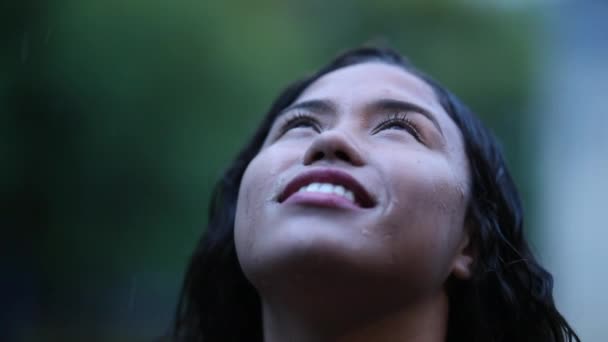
{"points": [[508, 298]]}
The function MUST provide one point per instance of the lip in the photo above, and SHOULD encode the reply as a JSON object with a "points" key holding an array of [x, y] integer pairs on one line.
{"points": [[363, 199]]}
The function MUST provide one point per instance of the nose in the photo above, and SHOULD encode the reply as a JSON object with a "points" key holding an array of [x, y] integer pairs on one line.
{"points": [[333, 145]]}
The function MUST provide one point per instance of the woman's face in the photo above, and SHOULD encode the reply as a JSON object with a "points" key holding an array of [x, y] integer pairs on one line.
{"points": [[363, 179]]}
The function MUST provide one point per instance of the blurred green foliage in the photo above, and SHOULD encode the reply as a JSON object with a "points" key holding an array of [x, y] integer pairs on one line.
{"points": [[118, 117]]}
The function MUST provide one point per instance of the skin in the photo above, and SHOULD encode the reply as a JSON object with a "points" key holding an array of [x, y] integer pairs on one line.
{"points": [[354, 274]]}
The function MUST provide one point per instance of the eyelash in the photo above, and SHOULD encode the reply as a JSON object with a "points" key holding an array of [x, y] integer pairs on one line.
{"points": [[397, 119], [299, 120], [402, 121]]}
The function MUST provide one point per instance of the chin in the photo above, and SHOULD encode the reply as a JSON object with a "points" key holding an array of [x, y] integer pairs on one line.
{"points": [[306, 256]]}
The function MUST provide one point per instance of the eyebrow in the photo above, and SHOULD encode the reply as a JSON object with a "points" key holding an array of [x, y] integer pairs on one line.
{"points": [[328, 106], [316, 106]]}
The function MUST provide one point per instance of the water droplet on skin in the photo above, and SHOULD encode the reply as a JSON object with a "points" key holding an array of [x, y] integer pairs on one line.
{"points": [[460, 188]]}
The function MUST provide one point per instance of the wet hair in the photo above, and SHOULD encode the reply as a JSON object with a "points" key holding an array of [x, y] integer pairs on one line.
{"points": [[508, 298]]}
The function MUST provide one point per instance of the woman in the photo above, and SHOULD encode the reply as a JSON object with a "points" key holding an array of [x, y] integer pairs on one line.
{"points": [[370, 205]]}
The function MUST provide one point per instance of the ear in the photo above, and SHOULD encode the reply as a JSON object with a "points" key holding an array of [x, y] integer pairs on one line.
{"points": [[462, 266]]}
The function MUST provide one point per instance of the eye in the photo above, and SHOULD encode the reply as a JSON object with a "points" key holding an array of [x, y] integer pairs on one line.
{"points": [[300, 120], [399, 121]]}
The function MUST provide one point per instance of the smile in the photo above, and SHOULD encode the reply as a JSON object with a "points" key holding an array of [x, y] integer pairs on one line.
{"points": [[327, 187]]}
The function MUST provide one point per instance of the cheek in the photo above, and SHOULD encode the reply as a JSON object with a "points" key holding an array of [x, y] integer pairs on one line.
{"points": [[263, 178], [261, 183], [249, 203], [426, 189], [425, 216], [245, 217]]}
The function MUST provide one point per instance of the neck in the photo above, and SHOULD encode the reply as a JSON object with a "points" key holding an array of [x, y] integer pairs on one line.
{"points": [[424, 321]]}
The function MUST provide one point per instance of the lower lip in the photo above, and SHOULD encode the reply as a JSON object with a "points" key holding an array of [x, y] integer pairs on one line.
{"points": [[321, 200]]}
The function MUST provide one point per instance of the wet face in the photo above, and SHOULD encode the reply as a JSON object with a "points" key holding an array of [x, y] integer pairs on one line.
{"points": [[363, 178]]}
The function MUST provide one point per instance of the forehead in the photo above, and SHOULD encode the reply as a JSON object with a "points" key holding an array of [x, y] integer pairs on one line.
{"points": [[370, 80]]}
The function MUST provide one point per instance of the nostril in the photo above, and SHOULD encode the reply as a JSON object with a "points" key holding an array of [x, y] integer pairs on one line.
{"points": [[319, 155], [333, 146], [339, 154], [342, 156]]}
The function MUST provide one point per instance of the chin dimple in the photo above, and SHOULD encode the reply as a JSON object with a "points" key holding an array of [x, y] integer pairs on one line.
{"points": [[328, 188]]}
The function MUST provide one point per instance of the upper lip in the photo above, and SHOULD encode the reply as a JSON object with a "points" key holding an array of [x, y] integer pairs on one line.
{"points": [[333, 176]]}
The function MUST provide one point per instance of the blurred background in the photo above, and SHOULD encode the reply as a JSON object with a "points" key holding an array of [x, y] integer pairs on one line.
{"points": [[117, 117]]}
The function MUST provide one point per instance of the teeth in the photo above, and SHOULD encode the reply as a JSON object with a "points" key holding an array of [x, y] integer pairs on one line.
{"points": [[339, 189], [327, 188], [314, 187], [350, 196]]}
